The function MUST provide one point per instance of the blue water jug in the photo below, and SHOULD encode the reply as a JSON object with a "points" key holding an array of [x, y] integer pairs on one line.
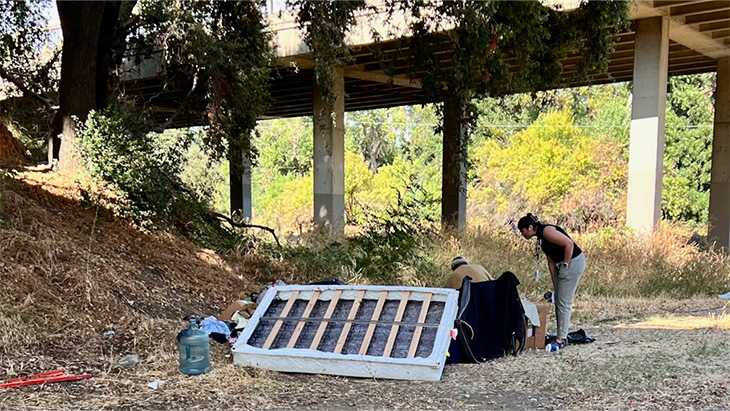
{"points": [[194, 351]]}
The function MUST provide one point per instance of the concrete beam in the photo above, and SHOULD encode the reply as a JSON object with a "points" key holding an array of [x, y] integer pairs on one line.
{"points": [[646, 148], [454, 169], [719, 220], [680, 32], [381, 77], [329, 155]]}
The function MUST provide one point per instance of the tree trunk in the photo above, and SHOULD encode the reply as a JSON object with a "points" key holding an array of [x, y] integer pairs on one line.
{"points": [[81, 25], [106, 50]]}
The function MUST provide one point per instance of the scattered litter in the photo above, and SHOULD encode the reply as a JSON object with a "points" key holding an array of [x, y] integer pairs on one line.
{"points": [[42, 378], [194, 348], [219, 338], [212, 325], [247, 306], [108, 334], [228, 355], [240, 319], [725, 296], [612, 342], [128, 361], [232, 340], [156, 384]]}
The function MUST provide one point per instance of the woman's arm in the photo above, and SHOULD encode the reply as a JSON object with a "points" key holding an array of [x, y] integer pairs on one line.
{"points": [[551, 267], [556, 237]]}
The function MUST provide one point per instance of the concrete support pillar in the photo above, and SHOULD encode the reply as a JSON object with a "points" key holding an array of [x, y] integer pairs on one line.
{"points": [[719, 220], [329, 155], [240, 184], [646, 148], [453, 183]]}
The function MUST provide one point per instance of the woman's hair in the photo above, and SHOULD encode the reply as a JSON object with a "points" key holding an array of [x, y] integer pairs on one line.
{"points": [[526, 221]]}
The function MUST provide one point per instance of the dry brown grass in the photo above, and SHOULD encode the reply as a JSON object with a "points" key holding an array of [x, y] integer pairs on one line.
{"points": [[69, 274], [626, 368]]}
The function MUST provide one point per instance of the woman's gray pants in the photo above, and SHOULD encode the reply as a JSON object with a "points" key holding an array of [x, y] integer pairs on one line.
{"points": [[565, 285]]}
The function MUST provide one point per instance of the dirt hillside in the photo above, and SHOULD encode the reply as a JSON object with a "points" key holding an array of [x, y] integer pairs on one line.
{"points": [[70, 272]]}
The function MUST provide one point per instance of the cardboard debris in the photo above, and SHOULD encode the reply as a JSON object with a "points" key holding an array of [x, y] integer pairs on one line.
{"points": [[535, 339], [238, 305]]}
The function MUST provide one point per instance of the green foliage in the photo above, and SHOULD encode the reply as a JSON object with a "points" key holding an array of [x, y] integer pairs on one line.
{"points": [[200, 173], [224, 46], [144, 169], [688, 148], [285, 146], [553, 169], [285, 202], [21, 33], [374, 133], [484, 33], [325, 24], [392, 250]]}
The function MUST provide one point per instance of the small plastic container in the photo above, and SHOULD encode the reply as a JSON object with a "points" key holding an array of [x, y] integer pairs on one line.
{"points": [[552, 347], [194, 351]]}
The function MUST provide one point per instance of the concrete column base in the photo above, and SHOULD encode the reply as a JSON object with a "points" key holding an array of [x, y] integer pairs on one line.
{"points": [[240, 187], [329, 155]]}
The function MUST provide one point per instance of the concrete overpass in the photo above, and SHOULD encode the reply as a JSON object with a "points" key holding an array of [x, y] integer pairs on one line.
{"points": [[666, 38]]}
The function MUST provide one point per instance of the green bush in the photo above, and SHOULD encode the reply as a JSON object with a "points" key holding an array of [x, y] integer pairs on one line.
{"points": [[144, 170], [393, 249]]}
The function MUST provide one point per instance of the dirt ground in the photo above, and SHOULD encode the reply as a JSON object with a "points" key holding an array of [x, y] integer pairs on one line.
{"points": [[648, 354], [70, 272]]}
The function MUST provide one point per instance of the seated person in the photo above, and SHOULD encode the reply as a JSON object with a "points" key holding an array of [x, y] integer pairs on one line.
{"points": [[461, 268]]}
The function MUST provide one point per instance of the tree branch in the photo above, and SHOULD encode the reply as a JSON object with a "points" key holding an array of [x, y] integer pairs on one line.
{"points": [[25, 90], [244, 225], [183, 104]]}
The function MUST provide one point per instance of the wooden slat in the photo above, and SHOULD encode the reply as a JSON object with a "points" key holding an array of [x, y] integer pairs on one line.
{"points": [[323, 324], [421, 318], [371, 328], [346, 329], [394, 328], [300, 324], [344, 320], [277, 325]]}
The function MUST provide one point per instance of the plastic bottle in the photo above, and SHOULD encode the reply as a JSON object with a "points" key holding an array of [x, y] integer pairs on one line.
{"points": [[552, 348], [194, 351]]}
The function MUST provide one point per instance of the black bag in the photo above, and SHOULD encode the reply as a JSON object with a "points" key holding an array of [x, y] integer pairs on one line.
{"points": [[490, 321]]}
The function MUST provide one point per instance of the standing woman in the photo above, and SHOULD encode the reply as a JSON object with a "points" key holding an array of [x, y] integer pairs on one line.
{"points": [[566, 262]]}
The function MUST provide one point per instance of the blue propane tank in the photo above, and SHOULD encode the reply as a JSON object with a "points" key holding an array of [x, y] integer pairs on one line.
{"points": [[194, 351]]}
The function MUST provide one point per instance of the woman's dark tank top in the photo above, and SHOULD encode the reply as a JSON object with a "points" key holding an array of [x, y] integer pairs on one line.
{"points": [[554, 251]]}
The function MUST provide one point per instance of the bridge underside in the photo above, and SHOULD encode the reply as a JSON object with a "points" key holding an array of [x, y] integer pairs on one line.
{"points": [[666, 38], [367, 86]]}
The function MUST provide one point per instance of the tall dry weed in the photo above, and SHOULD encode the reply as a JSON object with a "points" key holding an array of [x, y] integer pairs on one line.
{"points": [[620, 262]]}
